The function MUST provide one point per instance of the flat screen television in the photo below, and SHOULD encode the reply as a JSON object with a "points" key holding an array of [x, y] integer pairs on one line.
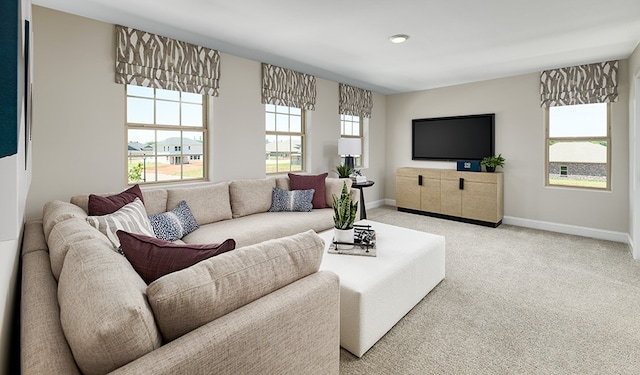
{"points": [[453, 138]]}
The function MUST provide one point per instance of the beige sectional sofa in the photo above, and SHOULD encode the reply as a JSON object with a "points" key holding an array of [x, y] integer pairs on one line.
{"points": [[261, 308]]}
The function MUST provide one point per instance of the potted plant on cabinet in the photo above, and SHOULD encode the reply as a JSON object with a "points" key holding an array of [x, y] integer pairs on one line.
{"points": [[491, 162], [344, 215]]}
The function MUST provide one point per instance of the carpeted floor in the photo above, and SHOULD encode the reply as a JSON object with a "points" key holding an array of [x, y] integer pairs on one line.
{"points": [[514, 301]]}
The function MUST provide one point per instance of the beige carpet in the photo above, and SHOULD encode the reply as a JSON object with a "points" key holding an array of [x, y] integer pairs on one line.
{"points": [[514, 301]]}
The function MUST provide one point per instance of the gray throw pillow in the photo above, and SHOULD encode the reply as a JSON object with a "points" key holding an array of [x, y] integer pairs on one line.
{"points": [[294, 200]]}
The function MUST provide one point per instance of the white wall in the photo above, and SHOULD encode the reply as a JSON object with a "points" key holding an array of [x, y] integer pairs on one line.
{"points": [[520, 138], [634, 147], [79, 143]]}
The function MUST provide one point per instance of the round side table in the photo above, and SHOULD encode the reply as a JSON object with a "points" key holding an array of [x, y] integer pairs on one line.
{"points": [[360, 186]]}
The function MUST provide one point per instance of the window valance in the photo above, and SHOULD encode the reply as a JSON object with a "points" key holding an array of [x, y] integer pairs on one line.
{"points": [[150, 60], [282, 86], [354, 101], [580, 84]]}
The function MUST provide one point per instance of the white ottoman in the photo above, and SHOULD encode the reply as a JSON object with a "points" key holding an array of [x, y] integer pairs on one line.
{"points": [[376, 292]]}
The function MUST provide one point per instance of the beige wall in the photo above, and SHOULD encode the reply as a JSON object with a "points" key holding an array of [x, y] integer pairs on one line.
{"points": [[79, 138], [78, 132], [520, 138]]}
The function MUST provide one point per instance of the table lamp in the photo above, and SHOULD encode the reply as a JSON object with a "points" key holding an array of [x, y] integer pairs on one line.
{"points": [[349, 147]]}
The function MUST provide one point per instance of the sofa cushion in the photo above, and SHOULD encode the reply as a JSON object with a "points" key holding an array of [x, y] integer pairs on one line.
{"points": [[187, 299], [131, 218], [250, 196], [155, 201], [334, 187], [153, 258], [252, 229], [208, 203], [283, 183], [296, 200], [103, 310], [65, 234], [174, 224], [315, 182], [55, 212], [103, 205]]}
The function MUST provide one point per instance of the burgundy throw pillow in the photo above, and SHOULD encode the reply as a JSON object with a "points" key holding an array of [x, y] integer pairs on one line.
{"points": [[315, 182], [153, 258], [99, 205]]}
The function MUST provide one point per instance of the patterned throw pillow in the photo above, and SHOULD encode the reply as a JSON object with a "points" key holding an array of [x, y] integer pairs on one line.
{"points": [[295, 200], [153, 258], [131, 218], [174, 224]]}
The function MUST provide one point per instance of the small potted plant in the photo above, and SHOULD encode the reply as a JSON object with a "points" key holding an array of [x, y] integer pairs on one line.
{"points": [[344, 171], [344, 215], [491, 162]]}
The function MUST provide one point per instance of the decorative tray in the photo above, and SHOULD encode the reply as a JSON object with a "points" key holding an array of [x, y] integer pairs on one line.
{"points": [[364, 243]]}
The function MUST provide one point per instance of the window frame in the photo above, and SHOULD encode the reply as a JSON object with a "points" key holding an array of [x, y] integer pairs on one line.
{"points": [[204, 157], [275, 133], [606, 139], [358, 160]]}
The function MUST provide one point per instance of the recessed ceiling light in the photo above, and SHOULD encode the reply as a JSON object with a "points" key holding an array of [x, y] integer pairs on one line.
{"points": [[398, 38]]}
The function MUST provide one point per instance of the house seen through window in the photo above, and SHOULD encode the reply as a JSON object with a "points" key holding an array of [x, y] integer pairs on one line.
{"points": [[579, 146], [284, 140], [166, 135]]}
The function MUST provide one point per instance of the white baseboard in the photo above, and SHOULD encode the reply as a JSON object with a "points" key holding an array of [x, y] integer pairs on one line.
{"points": [[378, 203], [555, 227], [634, 251], [568, 229]]}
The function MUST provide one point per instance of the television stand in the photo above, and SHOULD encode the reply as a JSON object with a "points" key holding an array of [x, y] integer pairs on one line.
{"points": [[471, 197]]}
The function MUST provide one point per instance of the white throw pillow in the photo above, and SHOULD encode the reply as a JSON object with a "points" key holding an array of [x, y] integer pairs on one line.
{"points": [[131, 218]]}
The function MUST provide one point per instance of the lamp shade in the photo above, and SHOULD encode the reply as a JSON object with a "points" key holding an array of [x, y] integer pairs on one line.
{"points": [[349, 146]]}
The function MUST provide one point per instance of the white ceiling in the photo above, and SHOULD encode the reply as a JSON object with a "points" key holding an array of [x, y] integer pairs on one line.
{"points": [[451, 41]]}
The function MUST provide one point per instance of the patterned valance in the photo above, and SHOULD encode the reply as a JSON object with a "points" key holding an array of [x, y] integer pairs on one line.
{"points": [[354, 101], [282, 86], [581, 84], [150, 60]]}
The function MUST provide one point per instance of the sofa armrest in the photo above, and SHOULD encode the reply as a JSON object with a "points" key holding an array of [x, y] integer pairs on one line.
{"points": [[43, 346], [295, 329]]}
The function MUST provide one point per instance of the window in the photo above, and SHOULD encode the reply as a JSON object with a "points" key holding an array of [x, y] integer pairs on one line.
{"points": [[579, 146], [160, 125], [564, 171], [284, 145], [351, 127]]}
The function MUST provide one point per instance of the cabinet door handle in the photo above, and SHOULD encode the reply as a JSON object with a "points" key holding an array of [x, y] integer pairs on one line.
{"points": [[420, 180], [461, 182]]}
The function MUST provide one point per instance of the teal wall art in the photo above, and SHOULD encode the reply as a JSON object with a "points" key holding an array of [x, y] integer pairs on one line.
{"points": [[10, 75]]}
